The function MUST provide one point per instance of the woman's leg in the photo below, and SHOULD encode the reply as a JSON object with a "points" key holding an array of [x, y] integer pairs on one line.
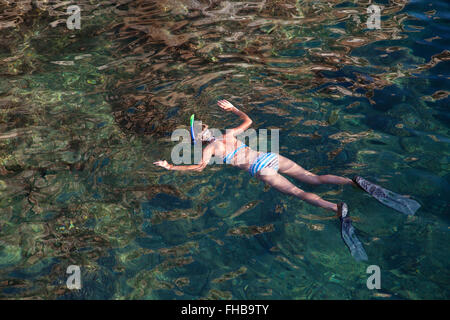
{"points": [[292, 169], [284, 185]]}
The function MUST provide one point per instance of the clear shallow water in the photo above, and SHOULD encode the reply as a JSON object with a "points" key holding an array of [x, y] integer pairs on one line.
{"points": [[84, 114]]}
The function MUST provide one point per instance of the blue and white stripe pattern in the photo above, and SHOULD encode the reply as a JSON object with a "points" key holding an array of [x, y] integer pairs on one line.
{"points": [[264, 160], [230, 156]]}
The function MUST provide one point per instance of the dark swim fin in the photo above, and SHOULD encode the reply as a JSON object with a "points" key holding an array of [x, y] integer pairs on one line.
{"points": [[391, 199], [348, 235]]}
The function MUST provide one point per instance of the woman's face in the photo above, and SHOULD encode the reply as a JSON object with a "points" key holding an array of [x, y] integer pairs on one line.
{"points": [[205, 135]]}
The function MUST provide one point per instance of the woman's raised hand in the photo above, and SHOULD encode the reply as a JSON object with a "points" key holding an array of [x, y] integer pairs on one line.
{"points": [[163, 163], [226, 105]]}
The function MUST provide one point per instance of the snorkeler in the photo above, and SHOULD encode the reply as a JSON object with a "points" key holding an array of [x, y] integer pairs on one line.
{"points": [[269, 167]]}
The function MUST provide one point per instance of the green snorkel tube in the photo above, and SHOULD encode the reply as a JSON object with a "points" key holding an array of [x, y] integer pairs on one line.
{"points": [[192, 129]]}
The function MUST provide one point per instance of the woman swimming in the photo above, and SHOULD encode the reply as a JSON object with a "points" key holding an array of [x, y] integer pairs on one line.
{"points": [[267, 167]]}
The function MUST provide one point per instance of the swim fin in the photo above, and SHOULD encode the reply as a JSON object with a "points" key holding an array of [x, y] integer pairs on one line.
{"points": [[391, 199], [349, 236]]}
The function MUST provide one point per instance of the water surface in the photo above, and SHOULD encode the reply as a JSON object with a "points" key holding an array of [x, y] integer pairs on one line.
{"points": [[85, 113]]}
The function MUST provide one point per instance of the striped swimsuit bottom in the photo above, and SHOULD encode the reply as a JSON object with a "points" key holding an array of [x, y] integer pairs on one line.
{"points": [[264, 160]]}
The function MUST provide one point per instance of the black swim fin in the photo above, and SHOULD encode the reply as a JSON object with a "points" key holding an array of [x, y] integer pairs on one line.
{"points": [[348, 235], [391, 199]]}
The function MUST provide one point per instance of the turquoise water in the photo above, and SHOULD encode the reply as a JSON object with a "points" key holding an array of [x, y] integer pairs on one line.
{"points": [[85, 113]]}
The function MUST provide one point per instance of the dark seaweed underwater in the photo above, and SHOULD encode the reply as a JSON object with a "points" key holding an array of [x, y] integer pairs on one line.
{"points": [[85, 113]]}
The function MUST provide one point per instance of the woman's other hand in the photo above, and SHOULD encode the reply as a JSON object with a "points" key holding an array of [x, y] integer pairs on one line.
{"points": [[163, 163]]}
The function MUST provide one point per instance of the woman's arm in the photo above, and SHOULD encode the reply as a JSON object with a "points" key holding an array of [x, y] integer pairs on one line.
{"points": [[208, 152], [227, 106], [168, 166]]}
